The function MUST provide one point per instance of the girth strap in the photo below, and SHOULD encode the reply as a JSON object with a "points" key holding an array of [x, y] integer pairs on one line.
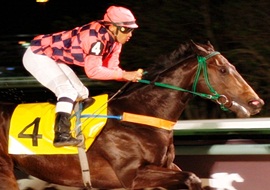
{"points": [[81, 148]]}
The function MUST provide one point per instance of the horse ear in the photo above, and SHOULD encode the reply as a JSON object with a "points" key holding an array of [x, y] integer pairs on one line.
{"points": [[199, 50], [209, 44]]}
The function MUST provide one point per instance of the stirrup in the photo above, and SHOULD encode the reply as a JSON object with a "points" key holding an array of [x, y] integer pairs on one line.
{"points": [[65, 139]]}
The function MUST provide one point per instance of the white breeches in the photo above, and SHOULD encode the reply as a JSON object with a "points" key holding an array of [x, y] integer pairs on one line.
{"points": [[58, 77]]}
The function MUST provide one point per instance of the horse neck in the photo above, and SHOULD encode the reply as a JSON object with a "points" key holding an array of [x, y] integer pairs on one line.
{"points": [[176, 100], [161, 102]]}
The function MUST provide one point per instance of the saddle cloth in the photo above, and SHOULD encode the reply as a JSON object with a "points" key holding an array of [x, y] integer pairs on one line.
{"points": [[32, 127]]}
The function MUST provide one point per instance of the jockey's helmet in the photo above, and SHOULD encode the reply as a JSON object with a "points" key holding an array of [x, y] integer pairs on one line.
{"points": [[120, 16]]}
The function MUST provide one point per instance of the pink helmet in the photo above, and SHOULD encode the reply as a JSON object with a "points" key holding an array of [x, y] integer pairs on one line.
{"points": [[120, 16]]}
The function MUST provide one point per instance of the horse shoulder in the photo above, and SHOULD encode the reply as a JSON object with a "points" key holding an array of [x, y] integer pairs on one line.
{"points": [[7, 178]]}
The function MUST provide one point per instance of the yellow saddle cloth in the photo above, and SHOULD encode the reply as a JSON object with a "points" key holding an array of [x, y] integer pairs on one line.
{"points": [[32, 127]]}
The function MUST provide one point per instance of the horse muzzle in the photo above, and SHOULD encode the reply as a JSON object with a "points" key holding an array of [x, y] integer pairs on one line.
{"points": [[253, 107]]}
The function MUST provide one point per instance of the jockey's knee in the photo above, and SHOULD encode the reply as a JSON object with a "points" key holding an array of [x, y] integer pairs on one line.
{"points": [[83, 93]]}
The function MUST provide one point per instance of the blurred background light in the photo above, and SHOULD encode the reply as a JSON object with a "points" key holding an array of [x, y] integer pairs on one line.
{"points": [[25, 44], [42, 1]]}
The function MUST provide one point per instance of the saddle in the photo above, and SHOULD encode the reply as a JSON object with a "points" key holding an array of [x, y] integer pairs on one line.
{"points": [[32, 127]]}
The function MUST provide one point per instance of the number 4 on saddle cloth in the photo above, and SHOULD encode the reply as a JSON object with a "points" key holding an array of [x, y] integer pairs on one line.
{"points": [[32, 127]]}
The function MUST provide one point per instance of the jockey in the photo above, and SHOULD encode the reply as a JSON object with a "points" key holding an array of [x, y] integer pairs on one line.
{"points": [[96, 47]]}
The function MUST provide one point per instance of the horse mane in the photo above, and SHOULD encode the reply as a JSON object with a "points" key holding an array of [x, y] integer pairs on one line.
{"points": [[166, 61], [162, 63]]}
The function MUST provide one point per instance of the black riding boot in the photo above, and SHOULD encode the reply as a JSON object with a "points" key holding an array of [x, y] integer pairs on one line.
{"points": [[87, 102], [62, 131]]}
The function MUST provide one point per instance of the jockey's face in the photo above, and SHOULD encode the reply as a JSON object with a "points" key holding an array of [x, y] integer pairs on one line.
{"points": [[121, 34]]}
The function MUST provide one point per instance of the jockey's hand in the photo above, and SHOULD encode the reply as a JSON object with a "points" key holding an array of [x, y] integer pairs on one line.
{"points": [[133, 76]]}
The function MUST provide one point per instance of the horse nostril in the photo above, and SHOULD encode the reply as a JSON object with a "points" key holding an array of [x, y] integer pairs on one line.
{"points": [[255, 103]]}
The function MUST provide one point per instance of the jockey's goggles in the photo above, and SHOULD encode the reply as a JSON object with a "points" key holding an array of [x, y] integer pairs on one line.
{"points": [[124, 30]]}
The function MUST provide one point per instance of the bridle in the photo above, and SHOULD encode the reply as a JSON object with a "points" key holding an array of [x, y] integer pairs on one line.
{"points": [[202, 66], [222, 100]]}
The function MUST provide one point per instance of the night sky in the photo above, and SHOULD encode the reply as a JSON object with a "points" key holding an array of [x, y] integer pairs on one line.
{"points": [[27, 16]]}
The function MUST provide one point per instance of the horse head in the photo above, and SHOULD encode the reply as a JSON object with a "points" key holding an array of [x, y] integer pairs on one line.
{"points": [[192, 69], [220, 78]]}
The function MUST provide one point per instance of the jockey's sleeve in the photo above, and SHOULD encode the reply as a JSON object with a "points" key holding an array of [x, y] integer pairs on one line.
{"points": [[107, 69]]}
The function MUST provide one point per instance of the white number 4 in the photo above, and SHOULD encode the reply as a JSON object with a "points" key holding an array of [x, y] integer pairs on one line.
{"points": [[96, 49]]}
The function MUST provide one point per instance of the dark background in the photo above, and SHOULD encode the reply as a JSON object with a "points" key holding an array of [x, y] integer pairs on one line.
{"points": [[238, 29]]}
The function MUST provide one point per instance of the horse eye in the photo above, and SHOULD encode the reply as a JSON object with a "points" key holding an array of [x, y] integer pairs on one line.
{"points": [[223, 70]]}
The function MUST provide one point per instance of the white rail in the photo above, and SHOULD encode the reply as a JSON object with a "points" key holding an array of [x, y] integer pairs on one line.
{"points": [[248, 123]]}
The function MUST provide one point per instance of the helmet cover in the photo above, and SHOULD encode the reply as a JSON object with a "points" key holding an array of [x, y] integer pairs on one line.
{"points": [[120, 16]]}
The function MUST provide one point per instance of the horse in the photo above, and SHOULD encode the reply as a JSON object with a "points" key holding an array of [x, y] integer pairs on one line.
{"points": [[137, 155]]}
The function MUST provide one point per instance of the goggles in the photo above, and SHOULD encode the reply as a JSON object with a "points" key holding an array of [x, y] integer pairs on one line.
{"points": [[122, 29], [125, 30]]}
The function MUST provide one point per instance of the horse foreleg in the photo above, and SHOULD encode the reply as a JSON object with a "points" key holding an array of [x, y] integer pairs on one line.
{"points": [[153, 176]]}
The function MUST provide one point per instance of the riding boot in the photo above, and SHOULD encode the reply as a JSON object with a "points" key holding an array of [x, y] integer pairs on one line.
{"points": [[62, 131], [87, 102]]}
